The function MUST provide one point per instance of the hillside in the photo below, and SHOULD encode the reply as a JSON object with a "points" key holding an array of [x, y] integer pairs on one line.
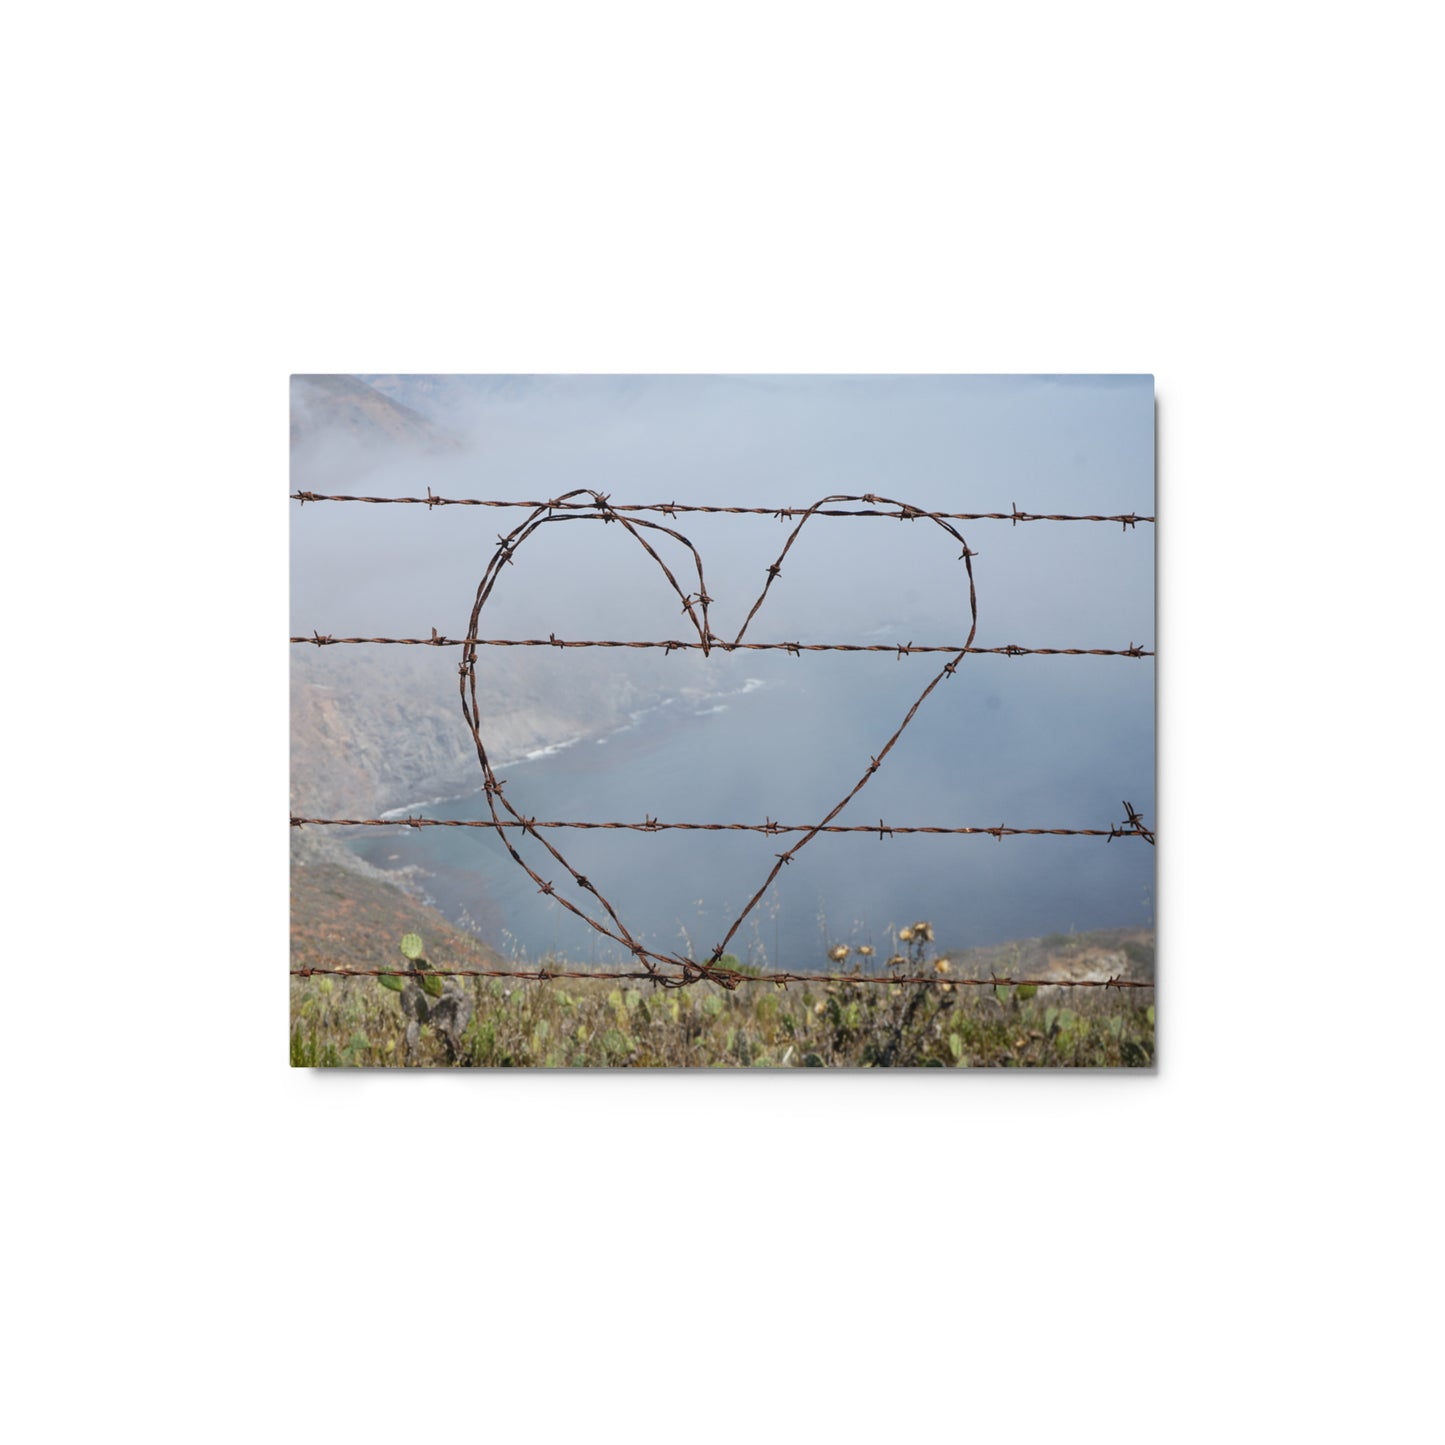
{"points": [[1099, 955], [328, 407], [342, 914], [376, 728], [368, 732]]}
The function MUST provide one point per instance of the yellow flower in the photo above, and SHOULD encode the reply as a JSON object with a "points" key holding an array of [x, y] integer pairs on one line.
{"points": [[905, 935], [838, 952], [866, 949], [940, 965]]}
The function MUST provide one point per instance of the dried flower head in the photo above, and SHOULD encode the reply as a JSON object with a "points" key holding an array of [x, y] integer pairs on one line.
{"points": [[838, 952], [923, 931], [905, 935], [896, 960], [866, 949]]}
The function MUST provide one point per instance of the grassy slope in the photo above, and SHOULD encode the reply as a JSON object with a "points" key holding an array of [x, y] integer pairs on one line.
{"points": [[591, 1023]]}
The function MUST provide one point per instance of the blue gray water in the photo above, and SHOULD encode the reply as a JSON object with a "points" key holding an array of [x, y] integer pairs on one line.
{"points": [[1026, 742]]}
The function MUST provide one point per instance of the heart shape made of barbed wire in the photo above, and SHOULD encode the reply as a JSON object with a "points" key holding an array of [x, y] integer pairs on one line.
{"points": [[668, 970]]}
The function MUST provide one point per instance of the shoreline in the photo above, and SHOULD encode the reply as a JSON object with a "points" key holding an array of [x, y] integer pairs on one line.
{"points": [[695, 696]]}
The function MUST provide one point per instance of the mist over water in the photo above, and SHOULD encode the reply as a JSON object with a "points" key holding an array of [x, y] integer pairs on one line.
{"points": [[985, 749], [1025, 742]]}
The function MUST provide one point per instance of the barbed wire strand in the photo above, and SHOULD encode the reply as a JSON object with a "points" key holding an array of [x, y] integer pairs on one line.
{"points": [[728, 978], [902, 649], [903, 512], [1132, 829]]}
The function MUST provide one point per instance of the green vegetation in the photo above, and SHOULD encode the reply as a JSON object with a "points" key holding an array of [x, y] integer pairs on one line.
{"points": [[339, 1022]]}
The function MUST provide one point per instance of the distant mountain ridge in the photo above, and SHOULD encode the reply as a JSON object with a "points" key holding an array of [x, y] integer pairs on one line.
{"points": [[348, 407]]}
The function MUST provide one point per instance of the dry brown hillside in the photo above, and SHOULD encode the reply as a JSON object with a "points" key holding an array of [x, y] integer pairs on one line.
{"points": [[343, 916]]}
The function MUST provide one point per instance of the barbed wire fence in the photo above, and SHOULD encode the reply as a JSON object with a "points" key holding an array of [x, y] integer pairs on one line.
{"points": [[675, 970]]}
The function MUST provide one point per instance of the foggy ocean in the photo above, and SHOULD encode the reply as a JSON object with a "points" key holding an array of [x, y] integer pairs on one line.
{"points": [[1016, 741]]}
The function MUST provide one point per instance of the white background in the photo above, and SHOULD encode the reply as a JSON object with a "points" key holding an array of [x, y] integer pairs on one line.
{"points": [[206, 1245]]}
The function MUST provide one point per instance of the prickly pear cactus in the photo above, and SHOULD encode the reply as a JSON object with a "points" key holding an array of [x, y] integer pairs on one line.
{"points": [[440, 1003]]}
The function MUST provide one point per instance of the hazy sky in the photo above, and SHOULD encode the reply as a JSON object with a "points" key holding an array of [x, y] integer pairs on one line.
{"points": [[951, 443]]}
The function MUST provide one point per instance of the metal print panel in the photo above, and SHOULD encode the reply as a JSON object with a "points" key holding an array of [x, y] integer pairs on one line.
{"points": [[753, 721]]}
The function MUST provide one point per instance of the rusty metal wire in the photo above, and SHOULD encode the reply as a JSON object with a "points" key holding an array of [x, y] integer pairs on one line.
{"points": [[1135, 824], [901, 649], [695, 608], [583, 505], [1133, 828], [902, 511], [727, 977]]}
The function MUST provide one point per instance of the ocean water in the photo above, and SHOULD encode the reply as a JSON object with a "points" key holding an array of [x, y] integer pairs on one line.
{"points": [[1024, 742]]}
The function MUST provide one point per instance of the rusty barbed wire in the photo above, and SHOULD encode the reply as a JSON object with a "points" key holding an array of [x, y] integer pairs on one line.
{"points": [[1135, 824], [1133, 828], [695, 608], [903, 511], [726, 977], [597, 507], [901, 649]]}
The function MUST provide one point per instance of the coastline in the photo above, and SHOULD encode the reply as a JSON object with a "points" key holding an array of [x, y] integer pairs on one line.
{"points": [[692, 696], [360, 845]]}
